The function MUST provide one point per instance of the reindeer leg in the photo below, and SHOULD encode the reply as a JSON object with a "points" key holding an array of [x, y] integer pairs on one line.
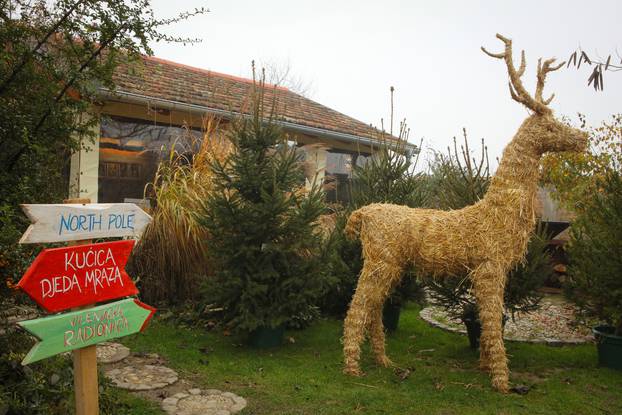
{"points": [[356, 322], [484, 358], [489, 282], [376, 338], [376, 332], [360, 313], [484, 353]]}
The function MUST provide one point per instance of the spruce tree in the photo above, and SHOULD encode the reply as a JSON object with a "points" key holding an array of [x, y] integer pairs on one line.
{"points": [[595, 252], [269, 270], [460, 180], [388, 176]]}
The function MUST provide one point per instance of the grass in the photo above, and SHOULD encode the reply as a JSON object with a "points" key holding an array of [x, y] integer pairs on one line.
{"points": [[122, 402], [304, 376]]}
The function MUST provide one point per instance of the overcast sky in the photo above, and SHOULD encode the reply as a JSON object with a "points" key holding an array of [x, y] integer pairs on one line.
{"points": [[351, 52]]}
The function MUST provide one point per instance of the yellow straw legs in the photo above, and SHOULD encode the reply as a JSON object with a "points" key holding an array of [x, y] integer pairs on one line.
{"points": [[484, 240]]}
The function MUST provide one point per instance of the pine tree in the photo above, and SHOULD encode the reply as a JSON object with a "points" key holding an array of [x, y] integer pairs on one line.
{"points": [[388, 176], [459, 180], [595, 252], [268, 261]]}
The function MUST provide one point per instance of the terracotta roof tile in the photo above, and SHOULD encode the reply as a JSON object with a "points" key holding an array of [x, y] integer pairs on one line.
{"points": [[159, 78]]}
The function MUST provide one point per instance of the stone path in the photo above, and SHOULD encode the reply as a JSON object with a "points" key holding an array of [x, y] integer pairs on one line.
{"points": [[108, 352], [203, 402], [146, 375], [554, 324]]}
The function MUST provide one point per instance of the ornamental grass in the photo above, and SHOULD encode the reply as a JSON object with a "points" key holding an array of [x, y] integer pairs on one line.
{"points": [[172, 255]]}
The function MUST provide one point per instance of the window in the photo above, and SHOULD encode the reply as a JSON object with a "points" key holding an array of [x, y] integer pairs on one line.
{"points": [[339, 171], [125, 170], [339, 163], [129, 153]]}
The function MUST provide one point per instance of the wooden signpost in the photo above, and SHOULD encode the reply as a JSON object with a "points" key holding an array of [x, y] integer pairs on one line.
{"points": [[69, 331], [79, 221], [63, 278], [79, 276]]}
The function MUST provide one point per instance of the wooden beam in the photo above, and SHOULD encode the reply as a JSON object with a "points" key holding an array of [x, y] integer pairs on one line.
{"points": [[85, 382]]}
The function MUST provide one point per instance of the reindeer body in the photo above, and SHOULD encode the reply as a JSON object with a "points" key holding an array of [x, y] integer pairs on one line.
{"points": [[484, 240]]}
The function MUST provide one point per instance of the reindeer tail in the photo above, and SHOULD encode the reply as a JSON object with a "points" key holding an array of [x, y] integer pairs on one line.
{"points": [[353, 225]]}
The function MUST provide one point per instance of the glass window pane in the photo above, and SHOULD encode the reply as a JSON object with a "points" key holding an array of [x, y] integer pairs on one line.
{"points": [[339, 163], [129, 153]]}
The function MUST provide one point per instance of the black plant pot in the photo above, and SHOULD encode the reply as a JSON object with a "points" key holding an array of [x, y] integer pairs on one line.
{"points": [[391, 316], [474, 330], [266, 337], [609, 347], [474, 327]]}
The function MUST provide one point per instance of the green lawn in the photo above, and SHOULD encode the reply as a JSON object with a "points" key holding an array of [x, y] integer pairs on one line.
{"points": [[122, 402], [304, 376]]}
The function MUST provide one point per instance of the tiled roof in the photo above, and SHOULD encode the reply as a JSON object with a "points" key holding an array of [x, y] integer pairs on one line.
{"points": [[162, 79]]}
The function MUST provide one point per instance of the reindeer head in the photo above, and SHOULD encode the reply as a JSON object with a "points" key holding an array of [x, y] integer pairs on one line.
{"points": [[547, 133]]}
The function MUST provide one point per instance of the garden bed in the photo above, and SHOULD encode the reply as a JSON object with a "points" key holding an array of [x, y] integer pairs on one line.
{"points": [[554, 323]]}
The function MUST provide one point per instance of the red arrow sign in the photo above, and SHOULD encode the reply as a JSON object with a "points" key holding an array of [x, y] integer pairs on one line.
{"points": [[63, 278]]}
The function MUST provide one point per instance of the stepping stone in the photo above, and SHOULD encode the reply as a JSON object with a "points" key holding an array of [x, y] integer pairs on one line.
{"points": [[111, 352], [142, 377], [203, 402]]}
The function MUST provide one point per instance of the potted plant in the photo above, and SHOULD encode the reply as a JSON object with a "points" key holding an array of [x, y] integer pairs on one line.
{"points": [[388, 176], [409, 289], [521, 290], [595, 253], [459, 180], [268, 265]]}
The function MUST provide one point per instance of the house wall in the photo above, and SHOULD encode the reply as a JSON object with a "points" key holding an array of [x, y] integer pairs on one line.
{"points": [[84, 168], [85, 164]]}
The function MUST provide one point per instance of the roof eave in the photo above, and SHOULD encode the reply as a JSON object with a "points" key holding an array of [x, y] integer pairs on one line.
{"points": [[131, 97]]}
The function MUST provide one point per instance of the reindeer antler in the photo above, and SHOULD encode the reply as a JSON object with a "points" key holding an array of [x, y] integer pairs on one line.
{"points": [[517, 90]]}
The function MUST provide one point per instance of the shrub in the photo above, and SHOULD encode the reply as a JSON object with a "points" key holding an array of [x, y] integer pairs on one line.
{"points": [[458, 180], [576, 176], [171, 256], [268, 268], [388, 177], [345, 261], [595, 253], [521, 290]]}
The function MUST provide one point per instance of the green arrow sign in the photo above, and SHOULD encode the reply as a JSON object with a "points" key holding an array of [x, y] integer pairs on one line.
{"points": [[63, 332]]}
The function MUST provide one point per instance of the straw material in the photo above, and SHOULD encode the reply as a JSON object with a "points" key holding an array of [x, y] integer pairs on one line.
{"points": [[486, 239]]}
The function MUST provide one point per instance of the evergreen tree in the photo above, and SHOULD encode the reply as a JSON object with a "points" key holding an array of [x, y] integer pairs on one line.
{"points": [[458, 180], [267, 255], [595, 252], [521, 290], [388, 176], [54, 57]]}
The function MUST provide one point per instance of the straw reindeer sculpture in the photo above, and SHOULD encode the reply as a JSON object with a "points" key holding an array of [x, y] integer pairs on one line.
{"points": [[486, 239]]}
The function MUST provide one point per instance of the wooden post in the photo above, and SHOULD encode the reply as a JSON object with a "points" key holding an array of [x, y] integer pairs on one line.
{"points": [[85, 380], [85, 363]]}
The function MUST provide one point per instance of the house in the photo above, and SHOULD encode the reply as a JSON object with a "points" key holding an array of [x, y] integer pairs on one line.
{"points": [[158, 104]]}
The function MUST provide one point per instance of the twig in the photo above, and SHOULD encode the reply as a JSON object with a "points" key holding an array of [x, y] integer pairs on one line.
{"points": [[363, 384]]}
